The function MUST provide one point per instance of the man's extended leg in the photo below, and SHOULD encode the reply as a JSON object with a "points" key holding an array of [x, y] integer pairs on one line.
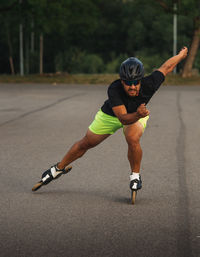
{"points": [[79, 148]]}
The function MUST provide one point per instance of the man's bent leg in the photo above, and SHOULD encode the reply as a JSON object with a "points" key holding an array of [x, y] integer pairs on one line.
{"points": [[133, 134], [79, 148]]}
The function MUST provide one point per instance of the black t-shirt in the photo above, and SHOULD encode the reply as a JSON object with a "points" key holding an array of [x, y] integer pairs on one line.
{"points": [[117, 95]]}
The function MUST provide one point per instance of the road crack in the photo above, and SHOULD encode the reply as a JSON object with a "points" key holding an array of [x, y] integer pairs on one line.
{"points": [[39, 109], [184, 244]]}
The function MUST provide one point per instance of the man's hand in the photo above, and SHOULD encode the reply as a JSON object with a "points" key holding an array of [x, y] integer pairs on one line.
{"points": [[171, 63], [142, 111], [183, 53]]}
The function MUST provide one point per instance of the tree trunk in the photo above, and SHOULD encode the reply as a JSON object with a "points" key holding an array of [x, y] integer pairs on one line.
{"points": [[41, 54], [27, 55], [21, 50], [32, 38], [21, 46], [10, 50], [187, 69], [12, 65]]}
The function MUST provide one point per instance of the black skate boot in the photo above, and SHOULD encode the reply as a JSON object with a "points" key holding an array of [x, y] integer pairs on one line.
{"points": [[135, 185], [51, 174]]}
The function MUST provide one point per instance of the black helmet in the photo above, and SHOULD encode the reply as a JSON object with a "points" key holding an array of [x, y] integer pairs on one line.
{"points": [[131, 69]]}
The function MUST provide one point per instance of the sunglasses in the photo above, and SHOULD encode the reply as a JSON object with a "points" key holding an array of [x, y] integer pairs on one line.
{"points": [[131, 82]]}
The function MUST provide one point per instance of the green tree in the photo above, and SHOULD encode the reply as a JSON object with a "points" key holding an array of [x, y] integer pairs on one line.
{"points": [[7, 37], [91, 36], [191, 9]]}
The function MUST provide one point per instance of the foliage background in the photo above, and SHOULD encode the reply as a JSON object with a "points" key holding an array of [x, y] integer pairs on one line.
{"points": [[87, 36]]}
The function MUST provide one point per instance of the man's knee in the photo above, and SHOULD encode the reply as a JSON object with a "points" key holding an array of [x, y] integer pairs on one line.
{"points": [[86, 143], [91, 140], [133, 133], [133, 140]]}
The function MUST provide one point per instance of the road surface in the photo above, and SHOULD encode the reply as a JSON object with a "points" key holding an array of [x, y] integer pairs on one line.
{"points": [[87, 213]]}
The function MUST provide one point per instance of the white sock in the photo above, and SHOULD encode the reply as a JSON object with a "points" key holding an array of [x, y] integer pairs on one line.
{"points": [[134, 175]]}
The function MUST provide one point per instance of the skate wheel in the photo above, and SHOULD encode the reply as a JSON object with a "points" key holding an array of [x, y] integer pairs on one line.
{"points": [[133, 196], [37, 186]]}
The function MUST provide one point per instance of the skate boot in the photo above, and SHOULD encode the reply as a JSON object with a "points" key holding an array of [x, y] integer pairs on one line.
{"points": [[135, 185], [51, 174]]}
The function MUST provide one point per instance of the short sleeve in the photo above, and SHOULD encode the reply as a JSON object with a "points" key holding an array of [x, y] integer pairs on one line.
{"points": [[114, 96], [154, 81]]}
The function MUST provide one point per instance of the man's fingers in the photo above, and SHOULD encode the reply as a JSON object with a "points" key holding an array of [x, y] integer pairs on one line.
{"points": [[184, 51], [142, 106], [143, 111]]}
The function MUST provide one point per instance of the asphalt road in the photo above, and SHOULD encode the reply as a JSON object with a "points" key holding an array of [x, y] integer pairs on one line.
{"points": [[87, 213]]}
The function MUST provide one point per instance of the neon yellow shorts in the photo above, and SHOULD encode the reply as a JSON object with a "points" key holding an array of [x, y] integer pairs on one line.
{"points": [[107, 124]]}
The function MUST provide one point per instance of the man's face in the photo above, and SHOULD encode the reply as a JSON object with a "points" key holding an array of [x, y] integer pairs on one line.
{"points": [[131, 90]]}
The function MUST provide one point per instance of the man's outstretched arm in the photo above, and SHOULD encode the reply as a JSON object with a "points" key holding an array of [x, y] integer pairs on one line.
{"points": [[171, 63]]}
